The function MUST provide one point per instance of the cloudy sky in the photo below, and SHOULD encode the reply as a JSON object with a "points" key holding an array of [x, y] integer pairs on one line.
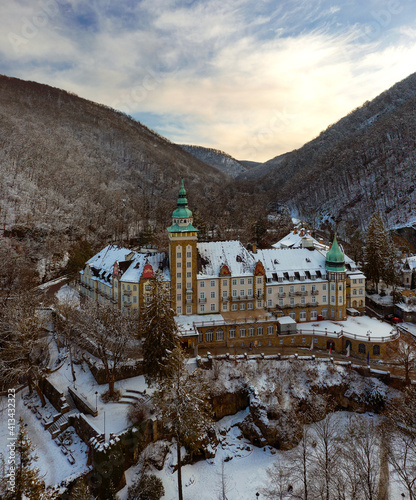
{"points": [[254, 78]]}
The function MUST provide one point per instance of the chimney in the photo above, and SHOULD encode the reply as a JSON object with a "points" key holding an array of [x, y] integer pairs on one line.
{"points": [[302, 232], [295, 230], [254, 248]]}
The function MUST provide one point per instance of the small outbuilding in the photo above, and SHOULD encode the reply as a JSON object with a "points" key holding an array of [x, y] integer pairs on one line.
{"points": [[286, 325]]}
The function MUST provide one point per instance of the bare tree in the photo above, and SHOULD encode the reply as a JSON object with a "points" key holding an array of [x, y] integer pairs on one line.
{"points": [[279, 482], [403, 353]]}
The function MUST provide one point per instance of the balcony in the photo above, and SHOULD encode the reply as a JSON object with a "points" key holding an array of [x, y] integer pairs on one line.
{"points": [[189, 301], [202, 301], [315, 292], [291, 294], [281, 295], [127, 292], [126, 304], [301, 294]]}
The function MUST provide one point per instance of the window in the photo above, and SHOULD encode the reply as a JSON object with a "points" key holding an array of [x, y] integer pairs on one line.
{"points": [[259, 303], [189, 254], [270, 303], [361, 348], [188, 309], [303, 300], [179, 286], [281, 341], [243, 331], [234, 307], [250, 292], [259, 330], [179, 255], [225, 307], [200, 337], [189, 264], [251, 331], [212, 283], [202, 284], [224, 282], [209, 336], [270, 330], [242, 293], [241, 281], [242, 306], [259, 280], [292, 301], [280, 302], [148, 287], [360, 281], [323, 298], [212, 295], [249, 281], [179, 264], [220, 334], [178, 275], [212, 307], [189, 285], [178, 309], [189, 275], [324, 286], [332, 299], [250, 306], [234, 282], [179, 296], [314, 315], [340, 299], [202, 308], [292, 315], [332, 287], [303, 340], [340, 287], [354, 292], [231, 333], [202, 295], [225, 294], [313, 299], [303, 288], [269, 290], [234, 293], [302, 316], [376, 350], [292, 289], [135, 299], [134, 288], [313, 288], [324, 313]]}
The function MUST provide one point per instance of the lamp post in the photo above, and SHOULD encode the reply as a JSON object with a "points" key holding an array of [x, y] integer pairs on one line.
{"points": [[96, 400]]}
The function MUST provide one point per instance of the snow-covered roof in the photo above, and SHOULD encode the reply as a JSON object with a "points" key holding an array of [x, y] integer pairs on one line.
{"points": [[212, 256], [296, 239], [103, 262], [284, 263]]}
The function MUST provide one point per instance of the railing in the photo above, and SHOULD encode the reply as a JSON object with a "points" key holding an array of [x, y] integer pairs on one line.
{"points": [[127, 292], [302, 331], [281, 295], [315, 292], [202, 301]]}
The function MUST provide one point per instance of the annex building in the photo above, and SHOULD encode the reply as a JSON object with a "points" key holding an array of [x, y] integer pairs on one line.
{"points": [[226, 295]]}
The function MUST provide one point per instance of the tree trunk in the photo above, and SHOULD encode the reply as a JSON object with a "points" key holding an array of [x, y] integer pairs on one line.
{"points": [[178, 453], [72, 364]]}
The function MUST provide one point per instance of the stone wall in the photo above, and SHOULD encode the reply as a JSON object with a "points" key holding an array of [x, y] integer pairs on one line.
{"points": [[128, 370]]}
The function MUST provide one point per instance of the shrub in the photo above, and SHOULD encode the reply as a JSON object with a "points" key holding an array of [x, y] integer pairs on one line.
{"points": [[148, 487]]}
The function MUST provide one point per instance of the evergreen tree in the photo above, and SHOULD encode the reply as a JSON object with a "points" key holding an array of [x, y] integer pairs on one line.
{"points": [[159, 330], [375, 254], [148, 487], [28, 483], [183, 403]]}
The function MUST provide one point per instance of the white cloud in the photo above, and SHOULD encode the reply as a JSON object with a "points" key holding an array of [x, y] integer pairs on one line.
{"points": [[255, 79]]}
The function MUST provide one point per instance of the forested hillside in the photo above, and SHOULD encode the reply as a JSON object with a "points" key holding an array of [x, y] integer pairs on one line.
{"points": [[218, 159], [73, 170], [362, 164]]}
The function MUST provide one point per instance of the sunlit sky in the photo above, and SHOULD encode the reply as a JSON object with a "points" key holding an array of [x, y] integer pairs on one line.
{"points": [[254, 78]]}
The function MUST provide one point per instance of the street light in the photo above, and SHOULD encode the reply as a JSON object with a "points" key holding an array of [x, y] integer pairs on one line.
{"points": [[96, 400]]}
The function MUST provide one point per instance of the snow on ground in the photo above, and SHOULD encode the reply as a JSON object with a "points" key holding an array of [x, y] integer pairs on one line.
{"points": [[52, 462], [244, 471]]}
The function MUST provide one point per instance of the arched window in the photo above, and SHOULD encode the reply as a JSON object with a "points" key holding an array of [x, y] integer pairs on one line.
{"points": [[220, 334], [361, 348], [209, 336], [376, 350], [251, 331], [231, 333], [243, 331], [259, 330]]}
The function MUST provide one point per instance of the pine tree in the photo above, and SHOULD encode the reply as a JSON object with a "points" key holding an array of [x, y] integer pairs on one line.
{"points": [[183, 403], [28, 484], [159, 330], [148, 487], [375, 254]]}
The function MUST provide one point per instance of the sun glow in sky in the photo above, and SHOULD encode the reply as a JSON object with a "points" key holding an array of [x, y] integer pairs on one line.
{"points": [[254, 78]]}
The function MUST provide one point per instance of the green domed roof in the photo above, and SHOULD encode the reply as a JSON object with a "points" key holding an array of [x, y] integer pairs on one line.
{"points": [[335, 260], [182, 210]]}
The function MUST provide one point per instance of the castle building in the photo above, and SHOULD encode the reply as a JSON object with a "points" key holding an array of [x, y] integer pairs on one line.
{"points": [[224, 294]]}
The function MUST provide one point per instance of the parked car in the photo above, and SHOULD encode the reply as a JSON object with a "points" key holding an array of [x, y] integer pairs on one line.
{"points": [[392, 319]]}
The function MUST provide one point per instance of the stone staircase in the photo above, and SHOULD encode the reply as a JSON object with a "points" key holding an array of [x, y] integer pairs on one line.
{"points": [[61, 423], [131, 396]]}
